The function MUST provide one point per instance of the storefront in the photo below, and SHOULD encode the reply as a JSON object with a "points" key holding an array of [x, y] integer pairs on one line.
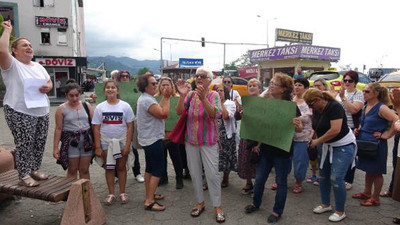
{"points": [[62, 69], [288, 58]]}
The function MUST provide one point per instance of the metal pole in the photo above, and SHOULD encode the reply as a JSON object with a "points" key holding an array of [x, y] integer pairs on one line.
{"points": [[161, 60], [267, 35], [224, 55]]}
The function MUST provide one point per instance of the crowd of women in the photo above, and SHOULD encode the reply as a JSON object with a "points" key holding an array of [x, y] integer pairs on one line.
{"points": [[328, 123]]}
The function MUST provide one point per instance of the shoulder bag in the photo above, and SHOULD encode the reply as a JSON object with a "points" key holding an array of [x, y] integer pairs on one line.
{"points": [[177, 134], [367, 149]]}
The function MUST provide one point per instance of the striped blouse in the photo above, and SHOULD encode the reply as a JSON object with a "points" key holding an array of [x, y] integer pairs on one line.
{"points": [[202, 129]]}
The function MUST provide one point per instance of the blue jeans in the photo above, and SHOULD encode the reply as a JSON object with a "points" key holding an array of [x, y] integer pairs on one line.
{"points": [[281, 164], [394, 159], [300, 160], [333, 175]]}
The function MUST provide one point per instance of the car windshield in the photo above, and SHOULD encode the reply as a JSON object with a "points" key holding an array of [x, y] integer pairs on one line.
{"points": [[391, 78], [326, 76], [362, 78]]}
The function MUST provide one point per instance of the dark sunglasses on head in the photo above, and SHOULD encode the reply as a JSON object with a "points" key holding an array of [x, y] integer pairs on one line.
{"points": [[348, 81], [202, 76], [367, 91]]}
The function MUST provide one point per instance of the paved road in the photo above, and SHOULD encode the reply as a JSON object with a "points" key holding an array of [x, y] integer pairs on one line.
{"points": [[179, 202]]}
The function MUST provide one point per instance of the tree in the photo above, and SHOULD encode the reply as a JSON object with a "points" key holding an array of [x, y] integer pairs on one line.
{"points": [[143, 70], [243, 61], [230, 66]]}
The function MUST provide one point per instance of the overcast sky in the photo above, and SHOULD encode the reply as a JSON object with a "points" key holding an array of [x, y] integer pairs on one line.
{"points": [[367, 32]]}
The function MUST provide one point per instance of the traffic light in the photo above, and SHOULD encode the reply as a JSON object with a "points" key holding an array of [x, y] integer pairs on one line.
{"points": [[203, 42]]}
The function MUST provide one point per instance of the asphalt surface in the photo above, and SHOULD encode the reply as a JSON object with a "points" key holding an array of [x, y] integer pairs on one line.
{"points": [[298, 209]]}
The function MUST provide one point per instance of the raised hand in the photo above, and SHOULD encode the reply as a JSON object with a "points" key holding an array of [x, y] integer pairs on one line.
{"points": [[182, 87], [7, 26]]}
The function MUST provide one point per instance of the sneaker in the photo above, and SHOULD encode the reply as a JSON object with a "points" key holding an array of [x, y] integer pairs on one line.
{"points": [[140, 178], [319, 209], [316, 182], [311, 179], [336, 218]]}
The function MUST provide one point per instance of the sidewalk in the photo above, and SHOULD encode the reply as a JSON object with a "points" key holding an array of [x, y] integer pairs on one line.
{"points": [[298, 209]]}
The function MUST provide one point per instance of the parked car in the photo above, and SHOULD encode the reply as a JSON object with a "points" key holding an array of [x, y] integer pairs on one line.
{"points": [[377, 73], [335, 78], [239, 84]]}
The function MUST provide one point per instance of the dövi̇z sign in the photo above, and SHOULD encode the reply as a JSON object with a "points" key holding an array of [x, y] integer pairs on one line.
{"points": [[67, 62]]}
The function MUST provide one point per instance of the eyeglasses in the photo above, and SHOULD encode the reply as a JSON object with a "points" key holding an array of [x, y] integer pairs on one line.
{"points": [[202, 76], [227, 82], [124, 76], [348, 81], [154, 83], [310, 104], [275, 84], [367, 91]]}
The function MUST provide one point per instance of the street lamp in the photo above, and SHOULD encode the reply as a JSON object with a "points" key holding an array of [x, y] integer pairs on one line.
{"points": [[259, 16]]}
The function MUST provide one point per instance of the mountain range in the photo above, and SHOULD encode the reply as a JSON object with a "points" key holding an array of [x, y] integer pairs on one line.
{"points": [[123, 63]]}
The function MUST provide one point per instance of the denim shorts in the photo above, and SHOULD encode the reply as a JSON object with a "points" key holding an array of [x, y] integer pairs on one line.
{"points": [[79, 151]]}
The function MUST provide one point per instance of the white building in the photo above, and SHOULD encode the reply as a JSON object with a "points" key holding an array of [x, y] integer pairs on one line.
{"points": [[56, 30]]}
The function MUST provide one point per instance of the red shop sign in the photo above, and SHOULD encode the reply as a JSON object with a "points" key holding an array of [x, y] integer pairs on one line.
{"points": [[68, 62]]}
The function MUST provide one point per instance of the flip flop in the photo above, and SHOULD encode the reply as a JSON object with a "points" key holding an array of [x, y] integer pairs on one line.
{"points": [[158, 197], [28, 182], [197, 211], [110, 199], [361, 195], [39, 175], [370, 202], [151, 207]]}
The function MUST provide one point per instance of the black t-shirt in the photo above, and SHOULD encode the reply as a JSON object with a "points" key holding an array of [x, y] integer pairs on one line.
{"points": [[321, 122], [274, 151]]}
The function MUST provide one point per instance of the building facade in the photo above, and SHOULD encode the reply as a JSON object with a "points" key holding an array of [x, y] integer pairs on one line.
{"points": [[56, 31]]}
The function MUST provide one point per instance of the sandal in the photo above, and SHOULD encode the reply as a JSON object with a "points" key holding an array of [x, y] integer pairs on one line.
{"points": [[110, 199], [158, 197], [205, 187], [361, 195], [396, 220], [248, 189], [273, 218], [28, 181], [39, 175], [250, 208], [370, 202], [297, 189], [124, 198], [151, 207], [386, 194], [196, 211], [220, 217]]}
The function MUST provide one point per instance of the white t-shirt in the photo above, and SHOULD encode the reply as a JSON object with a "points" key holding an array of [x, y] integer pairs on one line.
{"points": [[356, 96], [150, 128], [235, 95], [13, 78], [113, 118]]}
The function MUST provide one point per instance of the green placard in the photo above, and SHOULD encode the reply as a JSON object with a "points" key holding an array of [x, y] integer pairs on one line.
{"points": [[127, 93], [269, 121]]}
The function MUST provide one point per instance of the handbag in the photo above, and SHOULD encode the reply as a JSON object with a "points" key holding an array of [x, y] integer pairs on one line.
{"points": [[177, 134], [367, 149], [89, 146]]}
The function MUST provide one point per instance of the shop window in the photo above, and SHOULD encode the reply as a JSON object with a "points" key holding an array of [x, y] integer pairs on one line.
{"points": [[62, 36], [38, 3], [45, 36], [80, 3]]}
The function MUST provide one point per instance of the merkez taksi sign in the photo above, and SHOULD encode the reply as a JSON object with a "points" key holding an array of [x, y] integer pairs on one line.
{"points": [[293, 36], [66, 62], [296, 52], [187, 62]]}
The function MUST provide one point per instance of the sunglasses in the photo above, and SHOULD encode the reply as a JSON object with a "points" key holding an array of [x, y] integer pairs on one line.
{"points": [[154, 83], [227, 82], [367, 91], [348, 81], [202, 76], [124, 76]]}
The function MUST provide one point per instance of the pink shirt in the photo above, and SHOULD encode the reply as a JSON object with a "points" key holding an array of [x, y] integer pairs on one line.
{"points": [[202, 129]]}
